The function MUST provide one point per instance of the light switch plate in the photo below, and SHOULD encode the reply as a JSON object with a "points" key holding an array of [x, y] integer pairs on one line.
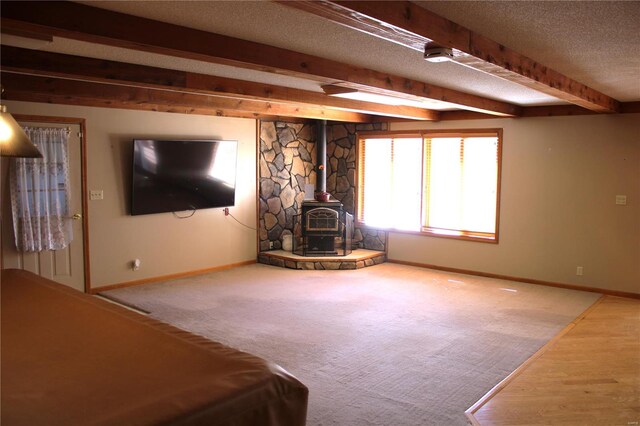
{"points": [[96, 194], [621, 200]]}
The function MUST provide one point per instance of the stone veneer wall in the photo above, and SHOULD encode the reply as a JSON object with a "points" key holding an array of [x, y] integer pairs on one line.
{"points": [[287, 163], [341, 176]]}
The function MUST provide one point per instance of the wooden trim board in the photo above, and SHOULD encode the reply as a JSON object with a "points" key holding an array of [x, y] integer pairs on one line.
{"points": [[519, 279], [170, 276]]}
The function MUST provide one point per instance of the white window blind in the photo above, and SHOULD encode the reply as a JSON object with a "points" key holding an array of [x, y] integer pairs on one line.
{"points": [[439, 183], [462, 183], [390, 185]]}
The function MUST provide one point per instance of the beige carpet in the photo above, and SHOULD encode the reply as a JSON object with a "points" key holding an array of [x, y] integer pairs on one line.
{"points": [[386, 345]]}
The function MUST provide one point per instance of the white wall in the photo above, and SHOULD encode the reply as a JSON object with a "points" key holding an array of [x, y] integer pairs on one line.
{"points": [[165, 245], [560, 177]]}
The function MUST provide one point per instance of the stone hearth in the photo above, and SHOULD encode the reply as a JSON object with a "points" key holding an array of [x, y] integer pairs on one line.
{"points": [[356, 260]]}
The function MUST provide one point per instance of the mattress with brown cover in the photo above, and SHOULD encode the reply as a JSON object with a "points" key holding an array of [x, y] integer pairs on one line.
{"points": [[68, 358]]}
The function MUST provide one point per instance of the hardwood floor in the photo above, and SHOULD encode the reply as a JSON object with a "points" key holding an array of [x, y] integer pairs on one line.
{"points": [[587, 375]]}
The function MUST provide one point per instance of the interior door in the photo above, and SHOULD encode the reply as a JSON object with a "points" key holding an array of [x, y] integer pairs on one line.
{"points": [[65, 266]]}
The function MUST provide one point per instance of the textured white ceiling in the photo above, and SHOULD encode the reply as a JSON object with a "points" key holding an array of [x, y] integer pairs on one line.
{"points": [[596, 43]]}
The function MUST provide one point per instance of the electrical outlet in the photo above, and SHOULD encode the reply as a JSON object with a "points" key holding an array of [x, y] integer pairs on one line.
{"points": [[621, 200], [96, 194], [270, 245], [226, 211], [579, 270]]}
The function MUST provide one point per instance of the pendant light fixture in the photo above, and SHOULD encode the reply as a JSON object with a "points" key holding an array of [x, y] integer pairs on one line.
{"points": [[14, 142]]}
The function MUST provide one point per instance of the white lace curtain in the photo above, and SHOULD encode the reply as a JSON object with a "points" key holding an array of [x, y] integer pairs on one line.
{"points": [[40, 193]]}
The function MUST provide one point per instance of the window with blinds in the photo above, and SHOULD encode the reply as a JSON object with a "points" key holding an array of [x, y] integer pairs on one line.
{"points": [[443, 183]]}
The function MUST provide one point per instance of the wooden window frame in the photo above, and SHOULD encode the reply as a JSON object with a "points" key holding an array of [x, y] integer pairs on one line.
{"points": [[492, 238]]}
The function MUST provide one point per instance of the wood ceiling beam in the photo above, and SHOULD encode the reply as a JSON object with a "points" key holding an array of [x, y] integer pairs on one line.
{"points": [[630, 107], [532, 111], [21, 87], [539, 111], [99, 70], [410, 25], [90, 24]]}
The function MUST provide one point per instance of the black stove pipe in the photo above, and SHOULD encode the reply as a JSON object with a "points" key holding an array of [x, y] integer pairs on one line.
{"points": [[321, 156]]}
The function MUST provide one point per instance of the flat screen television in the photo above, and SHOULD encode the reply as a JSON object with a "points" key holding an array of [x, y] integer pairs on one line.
{"points": [[179, 175]]}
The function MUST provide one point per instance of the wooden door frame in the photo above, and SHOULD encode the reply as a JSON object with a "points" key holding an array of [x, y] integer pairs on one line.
{"points": [[83, 180]]}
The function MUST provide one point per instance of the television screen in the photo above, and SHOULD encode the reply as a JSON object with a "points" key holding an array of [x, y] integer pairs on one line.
{"points": [[179, 175]]}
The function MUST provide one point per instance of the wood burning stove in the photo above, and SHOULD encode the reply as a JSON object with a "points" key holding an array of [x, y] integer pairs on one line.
{"points": [[325, 228], [322, 218], [321, 226]]}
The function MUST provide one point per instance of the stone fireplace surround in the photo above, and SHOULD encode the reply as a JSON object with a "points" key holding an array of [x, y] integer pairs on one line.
{"points": [[287, 161]]}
